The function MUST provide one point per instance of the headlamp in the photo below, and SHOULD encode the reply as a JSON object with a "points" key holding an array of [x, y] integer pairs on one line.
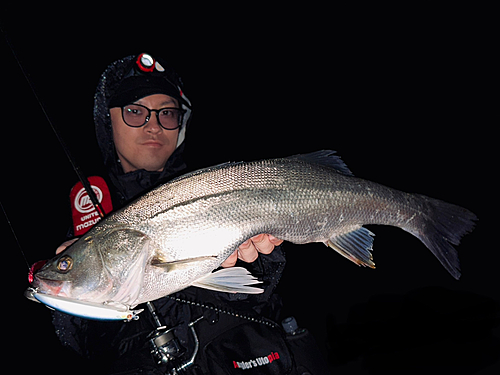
{"points": [[145, 62]]}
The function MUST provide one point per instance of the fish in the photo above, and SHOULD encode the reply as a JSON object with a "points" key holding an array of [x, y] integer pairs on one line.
{"points": [[180, 233]]}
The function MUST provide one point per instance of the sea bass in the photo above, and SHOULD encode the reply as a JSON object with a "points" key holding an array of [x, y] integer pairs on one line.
{"points": [[176, 235]]}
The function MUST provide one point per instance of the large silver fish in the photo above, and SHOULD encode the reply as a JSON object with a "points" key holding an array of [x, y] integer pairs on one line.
{"points": [[178, 234]]}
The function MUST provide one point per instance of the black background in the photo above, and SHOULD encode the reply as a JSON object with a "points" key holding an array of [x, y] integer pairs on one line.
{"points": [[398, 95]]}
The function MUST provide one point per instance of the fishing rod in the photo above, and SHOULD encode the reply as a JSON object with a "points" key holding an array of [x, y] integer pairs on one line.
{"points": [[15, 235], [165, 346], [81, 176]]}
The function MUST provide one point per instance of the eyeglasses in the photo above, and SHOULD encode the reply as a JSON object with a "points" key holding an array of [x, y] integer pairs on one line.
{"points": [[136, 115]]}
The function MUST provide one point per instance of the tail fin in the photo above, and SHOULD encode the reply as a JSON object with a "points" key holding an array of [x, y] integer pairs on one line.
{"points": [[443, 225]]}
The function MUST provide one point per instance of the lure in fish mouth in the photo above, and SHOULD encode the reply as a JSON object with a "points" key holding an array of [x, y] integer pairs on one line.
{"points": [[90, 310], [52, 287], [43, 280], [178, 234]]}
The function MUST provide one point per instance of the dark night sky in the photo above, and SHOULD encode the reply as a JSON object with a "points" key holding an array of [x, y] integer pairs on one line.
{"points": [[395, 99]]}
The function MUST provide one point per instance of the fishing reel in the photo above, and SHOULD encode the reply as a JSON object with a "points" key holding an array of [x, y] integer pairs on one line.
{"points": [[165, 347]]}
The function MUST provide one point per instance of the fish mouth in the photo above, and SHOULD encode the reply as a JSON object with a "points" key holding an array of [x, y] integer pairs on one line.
{"points": [[49, 286]]}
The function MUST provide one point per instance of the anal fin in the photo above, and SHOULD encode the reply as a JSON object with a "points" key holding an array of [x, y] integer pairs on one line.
{"points": [[355, 246]]}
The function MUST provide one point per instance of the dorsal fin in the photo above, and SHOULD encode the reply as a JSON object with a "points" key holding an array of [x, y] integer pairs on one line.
{"points": [[326, 158]]}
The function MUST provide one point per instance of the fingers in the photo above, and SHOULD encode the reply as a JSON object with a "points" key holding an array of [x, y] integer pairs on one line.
{"points": [[231, 261], [65, 244], [247, 251], [262, 244], [250, 249], [275, 241]]}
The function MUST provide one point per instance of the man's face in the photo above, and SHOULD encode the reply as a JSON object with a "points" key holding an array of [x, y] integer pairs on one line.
{"points": [[149, 146]]}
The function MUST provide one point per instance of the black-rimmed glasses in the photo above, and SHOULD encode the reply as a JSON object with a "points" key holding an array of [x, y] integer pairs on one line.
{"points": [[136, 115]]}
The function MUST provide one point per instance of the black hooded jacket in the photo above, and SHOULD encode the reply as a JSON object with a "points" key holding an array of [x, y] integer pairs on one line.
{"points": [[229, 332]]}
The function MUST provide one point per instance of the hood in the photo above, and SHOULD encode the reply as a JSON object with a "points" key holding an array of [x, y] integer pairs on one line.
{"points": [[130, 185]]}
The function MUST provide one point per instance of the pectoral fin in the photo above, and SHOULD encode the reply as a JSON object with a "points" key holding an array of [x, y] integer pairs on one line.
{"points": [[180, 263], [231, 280], [355, 246]]}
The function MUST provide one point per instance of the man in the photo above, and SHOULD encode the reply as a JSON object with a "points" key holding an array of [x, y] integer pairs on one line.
{"points": [[141, 115]]}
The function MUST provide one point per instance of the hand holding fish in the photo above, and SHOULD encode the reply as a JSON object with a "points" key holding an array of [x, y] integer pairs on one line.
{"points": [[250, 249]]}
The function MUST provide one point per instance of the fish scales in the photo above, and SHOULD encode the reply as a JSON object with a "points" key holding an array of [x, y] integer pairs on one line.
{"points": [[216, 211], [177, 234]]}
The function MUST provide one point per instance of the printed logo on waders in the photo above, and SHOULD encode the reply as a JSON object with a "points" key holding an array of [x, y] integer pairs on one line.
{"points": [[256, 362]]}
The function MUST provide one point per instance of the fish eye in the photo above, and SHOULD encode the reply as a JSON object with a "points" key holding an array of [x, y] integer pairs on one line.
{"points": [[64, 264]]}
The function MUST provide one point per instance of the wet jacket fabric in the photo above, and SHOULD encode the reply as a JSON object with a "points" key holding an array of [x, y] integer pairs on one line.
{"points": [[230, 333]]}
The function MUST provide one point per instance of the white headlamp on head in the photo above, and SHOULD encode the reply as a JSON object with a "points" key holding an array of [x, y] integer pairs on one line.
{"points": [[147, 63]]}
